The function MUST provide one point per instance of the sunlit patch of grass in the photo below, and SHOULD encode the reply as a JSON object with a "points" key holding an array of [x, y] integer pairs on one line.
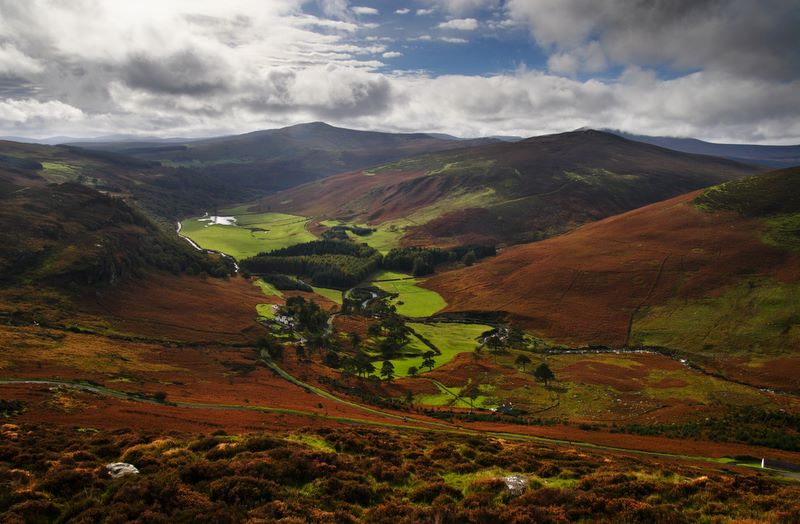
{"points": [[334, 295], [58, 172], [312, 441], [267, 288], [253, 233], [265, 310], [412, 300]]}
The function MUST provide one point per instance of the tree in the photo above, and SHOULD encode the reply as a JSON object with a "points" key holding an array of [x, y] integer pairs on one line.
{"points": [[387, 371], [412, 371], [427, 360], [522, 361], [332, 360], [363, 366], [269, 347], [496, 345], [355, 339], [472, 391], [544, 373], [470, 258]]}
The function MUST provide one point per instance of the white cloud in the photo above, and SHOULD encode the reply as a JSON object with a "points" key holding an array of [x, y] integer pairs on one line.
{"points": [[194, 67], [589, 57], [16, 111], [460, 24], [363, 10], [403, 11], [452, 40], [425, 12], [463, 7], [370, 25], [392, 54], [15, 62]]}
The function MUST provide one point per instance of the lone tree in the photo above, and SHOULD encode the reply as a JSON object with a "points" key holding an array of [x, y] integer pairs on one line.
{"points": [[427, 360], [387, 371], [544, 373], [412, 371], [522, 361]]}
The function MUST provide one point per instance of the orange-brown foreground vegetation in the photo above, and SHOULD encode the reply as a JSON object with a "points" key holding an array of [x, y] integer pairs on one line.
{"points": [[341, 474]]}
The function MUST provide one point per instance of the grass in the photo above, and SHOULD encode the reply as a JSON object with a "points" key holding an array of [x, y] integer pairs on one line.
{"points": [[757, 315], [58, 172], [413, 300], [334, 295], [451, 397], [449, 339], [267, 288], [252, 234], [389, 233], [783, 231], [386, 236], [315, 442]]}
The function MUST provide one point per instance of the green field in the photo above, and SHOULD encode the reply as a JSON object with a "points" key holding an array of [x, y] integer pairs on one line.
{"points": [[413, 300], [253, 233], [451, 397], [386, 236], [333, 295], [449, 339]]}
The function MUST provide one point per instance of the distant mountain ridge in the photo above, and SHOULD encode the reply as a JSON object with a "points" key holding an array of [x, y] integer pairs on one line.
{"points": [[266, 161], [771, 156], [509, 192]]}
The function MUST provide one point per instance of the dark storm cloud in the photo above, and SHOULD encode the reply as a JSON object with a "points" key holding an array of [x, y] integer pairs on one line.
{"points": [[183, 73], [740, 37]]}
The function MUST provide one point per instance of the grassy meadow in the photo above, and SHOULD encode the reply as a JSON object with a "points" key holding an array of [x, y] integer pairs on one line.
{"points": [[413, 300], [253, 233]]}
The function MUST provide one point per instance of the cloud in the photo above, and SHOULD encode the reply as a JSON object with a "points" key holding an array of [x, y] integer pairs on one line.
{"points": [[452, 40], [199, 67], [403, 11], [460, 24], [181, 73], [363, 10], [15, 62], [20, 115], [739, 37], [425, 12], [463, 7], [334, 8]]}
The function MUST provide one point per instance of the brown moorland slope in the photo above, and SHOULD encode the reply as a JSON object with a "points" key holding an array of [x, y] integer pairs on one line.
{"points": [[669, 274], [509, 192]]}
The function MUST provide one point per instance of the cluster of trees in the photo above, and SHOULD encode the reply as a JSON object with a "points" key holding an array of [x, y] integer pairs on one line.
{"points": [[422, 261], [308, 316], [286, 283], [338, 262], [329, 263]]}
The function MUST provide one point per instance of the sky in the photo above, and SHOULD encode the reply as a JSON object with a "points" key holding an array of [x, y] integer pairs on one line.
{"points": [[720, 70]]}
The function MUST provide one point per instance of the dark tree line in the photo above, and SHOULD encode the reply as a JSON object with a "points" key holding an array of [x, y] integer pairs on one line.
{"points": [[423, 260], [339, 263]]}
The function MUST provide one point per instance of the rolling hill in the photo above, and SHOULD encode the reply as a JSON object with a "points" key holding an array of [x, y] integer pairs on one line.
{"points": [[270, 160], [507, 192], [768, 156], [713, 274]]}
